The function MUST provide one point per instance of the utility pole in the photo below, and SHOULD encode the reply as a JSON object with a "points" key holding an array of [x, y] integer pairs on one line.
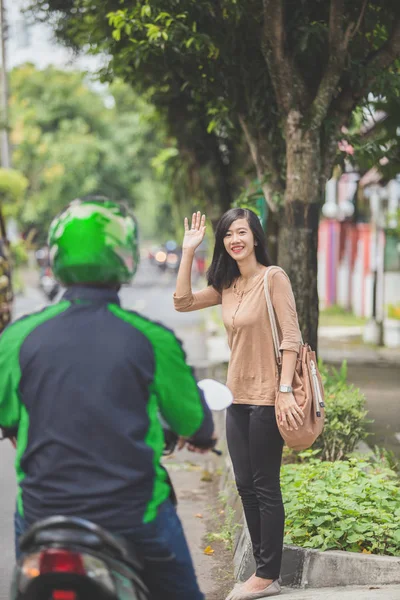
{"points": [[4, 141], [373, 331]]}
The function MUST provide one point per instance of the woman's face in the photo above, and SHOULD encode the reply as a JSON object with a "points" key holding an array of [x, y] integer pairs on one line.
{"points": [[239, 240]]}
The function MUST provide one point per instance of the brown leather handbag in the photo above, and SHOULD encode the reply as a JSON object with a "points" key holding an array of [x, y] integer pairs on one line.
{"points": [[308, 389]]}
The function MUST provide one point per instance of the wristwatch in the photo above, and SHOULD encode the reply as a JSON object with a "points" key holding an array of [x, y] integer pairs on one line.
{"points": [[286, 389]]}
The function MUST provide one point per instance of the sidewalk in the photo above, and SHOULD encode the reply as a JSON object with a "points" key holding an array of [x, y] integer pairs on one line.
{"points": [[199, 511], [335, 344], [390, 592]]}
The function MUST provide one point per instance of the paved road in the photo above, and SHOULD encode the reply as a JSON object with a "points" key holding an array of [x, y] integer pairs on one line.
{"points": [[381, 385], [150, 294]]}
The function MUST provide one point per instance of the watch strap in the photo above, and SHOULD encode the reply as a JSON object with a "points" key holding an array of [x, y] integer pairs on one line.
{"points": [[285, 389]]}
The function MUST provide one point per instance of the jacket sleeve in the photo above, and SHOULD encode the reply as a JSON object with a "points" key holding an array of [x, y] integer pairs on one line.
{"points": [[9, 379], [285, 309], [181, 401], [197, 300]]}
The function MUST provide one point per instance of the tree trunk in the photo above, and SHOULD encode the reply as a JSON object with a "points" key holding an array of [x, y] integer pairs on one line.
{"points": [[298, 233], [272, 234], [6, 293]]}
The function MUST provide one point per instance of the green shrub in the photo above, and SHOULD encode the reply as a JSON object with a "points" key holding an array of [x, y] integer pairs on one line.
{"points": [[345, 415], [387, 458], [393, 311], [19, 253], [345, 505]]}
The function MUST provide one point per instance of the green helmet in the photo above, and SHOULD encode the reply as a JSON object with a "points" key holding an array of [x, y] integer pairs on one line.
{"points": [[94, 241]]}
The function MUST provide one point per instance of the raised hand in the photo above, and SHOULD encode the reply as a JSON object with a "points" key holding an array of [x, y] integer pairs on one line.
{"points": [[195, 235]]}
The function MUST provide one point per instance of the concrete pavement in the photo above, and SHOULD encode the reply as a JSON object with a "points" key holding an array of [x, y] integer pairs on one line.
{"points": [[390, 592]]}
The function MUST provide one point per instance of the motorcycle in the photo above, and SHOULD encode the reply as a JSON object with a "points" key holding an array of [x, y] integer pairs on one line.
{"points": [[49, 284], [74, 559], [168, 257]]}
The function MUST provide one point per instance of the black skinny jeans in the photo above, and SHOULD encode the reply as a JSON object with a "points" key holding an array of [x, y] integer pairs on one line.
{"points": [[255, 446]]}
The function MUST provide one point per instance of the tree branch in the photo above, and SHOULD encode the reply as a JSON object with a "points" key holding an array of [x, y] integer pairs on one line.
{"points": [[360, 18], [284, 75], [329, 148], [263, 164], [338, 44], [273, 45], [376, 62]]}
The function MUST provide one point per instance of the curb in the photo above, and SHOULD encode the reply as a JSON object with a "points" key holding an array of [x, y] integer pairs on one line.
{"points": [[304, 568]]}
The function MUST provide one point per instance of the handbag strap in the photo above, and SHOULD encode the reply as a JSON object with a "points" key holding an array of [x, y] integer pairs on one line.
{"points": [[272, 317]]}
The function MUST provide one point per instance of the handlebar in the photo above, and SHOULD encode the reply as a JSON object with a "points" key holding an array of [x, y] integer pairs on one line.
{"points": [[8, 433], [171, 440]]}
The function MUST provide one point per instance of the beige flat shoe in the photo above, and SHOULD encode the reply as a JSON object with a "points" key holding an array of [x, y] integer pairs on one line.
{"points": [[274, 589], [234, 591]]}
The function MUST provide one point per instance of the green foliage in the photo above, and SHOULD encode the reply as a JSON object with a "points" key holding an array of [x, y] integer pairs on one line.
{"points": [[227, 529], [19, 253], [374, 133], [70, 140], [386, 458], [13, 185], [338, 316], [345, 505], [212, 58], [346, 417], [393, 311]]}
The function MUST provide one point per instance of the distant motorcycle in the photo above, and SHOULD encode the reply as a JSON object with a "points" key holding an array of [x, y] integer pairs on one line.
{"points": [[49, 284], [168, 257]]}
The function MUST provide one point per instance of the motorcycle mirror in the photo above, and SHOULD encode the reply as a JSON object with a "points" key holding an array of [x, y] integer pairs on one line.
{"points": [[217, 395]]}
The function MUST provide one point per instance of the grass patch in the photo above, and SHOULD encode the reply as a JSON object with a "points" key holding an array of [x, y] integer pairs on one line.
{"points": [[228, 529], [336, 316], [224, 523]]}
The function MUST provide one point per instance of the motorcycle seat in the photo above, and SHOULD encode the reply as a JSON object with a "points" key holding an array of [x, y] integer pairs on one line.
{"points": [[74, 531], [67, 536]]}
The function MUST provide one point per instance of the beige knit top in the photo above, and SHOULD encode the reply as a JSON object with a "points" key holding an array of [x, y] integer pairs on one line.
{"points": [[252, 372]]}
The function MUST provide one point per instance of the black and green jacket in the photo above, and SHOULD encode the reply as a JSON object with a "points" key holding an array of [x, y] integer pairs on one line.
{"points": [[84, 381]]}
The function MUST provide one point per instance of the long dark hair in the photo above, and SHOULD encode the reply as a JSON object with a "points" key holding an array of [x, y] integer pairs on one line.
{"points": [[224, 269]]}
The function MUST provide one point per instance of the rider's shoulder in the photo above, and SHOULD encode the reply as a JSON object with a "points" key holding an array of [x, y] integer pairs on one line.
{"points": [[149, 327], [25, 323]]}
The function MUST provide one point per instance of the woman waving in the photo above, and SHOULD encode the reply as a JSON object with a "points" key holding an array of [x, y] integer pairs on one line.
{"points": [[236, 280]]}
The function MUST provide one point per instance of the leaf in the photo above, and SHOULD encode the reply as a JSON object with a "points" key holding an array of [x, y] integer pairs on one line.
{"points": [[207, 476], [146, 10], [199, 516], [211, 126], [208, 551], [338, 533], [396, 535]]}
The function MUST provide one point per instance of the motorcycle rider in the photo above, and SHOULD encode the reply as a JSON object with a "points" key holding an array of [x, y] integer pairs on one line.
{"points": [[83, 382]]}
